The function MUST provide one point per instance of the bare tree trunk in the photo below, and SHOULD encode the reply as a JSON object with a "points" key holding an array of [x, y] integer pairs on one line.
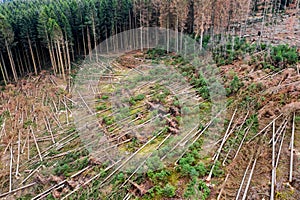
{"points": [[50, 48], [177, 34], [25, 61], [168, 34], [243, 30], [106, 40], [130, 27], [3, 74], [181, 38], [3, 64], [115, 36], [32, 55], [95, 38], [65, 61], [12, 64], [68, 61], [263, 22], [83, 41], [230, 11], [134, 36], [61, 60], [68, 56], [89, 42], [21, 63], [78, 46], [122, 45], [141, 27], [18, 63], [38, 57], [27, 57], [127, 38], [148, 18], [72, 50], [69, 66], [232, 39], [201, 32], [43, 57], [57, 61], [52, 59], [212, 20]]}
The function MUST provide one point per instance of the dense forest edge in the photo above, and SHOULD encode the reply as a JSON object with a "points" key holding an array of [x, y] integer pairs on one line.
{"points": [[37, 35]]}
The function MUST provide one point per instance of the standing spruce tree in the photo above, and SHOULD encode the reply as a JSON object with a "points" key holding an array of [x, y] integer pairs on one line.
{"points": [[28, 32], [38, 34]]}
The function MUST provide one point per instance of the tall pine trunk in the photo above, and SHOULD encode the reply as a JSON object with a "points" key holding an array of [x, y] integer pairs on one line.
{"points": [[116, 36], [130, 31], [72, 50], [83, 41], [4, 67], [65, 61], [51, 53], [21, 63], [38, 57], [141, 28], [28, 61], [68, 56], [57, 61], [52, 59], [25, 60], [201, 35], [89, 42], [3, 74], [95, 38], [177, 34], [106, 40], [32, 55], [60, 59], [12, 64], [56, 64]]}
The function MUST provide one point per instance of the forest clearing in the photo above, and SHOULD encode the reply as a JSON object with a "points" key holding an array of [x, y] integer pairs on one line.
{"points": [[94, 104]]}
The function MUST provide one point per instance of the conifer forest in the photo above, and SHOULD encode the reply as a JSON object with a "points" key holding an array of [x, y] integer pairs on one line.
{"points": [[150, 99]]}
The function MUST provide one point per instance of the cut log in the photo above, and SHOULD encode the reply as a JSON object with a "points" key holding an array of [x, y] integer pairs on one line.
{"points": [[243, 180], [17, 189], [249, 180], [221, 146], [273, 164], [36, 144], [292, 150], [10, 168]]}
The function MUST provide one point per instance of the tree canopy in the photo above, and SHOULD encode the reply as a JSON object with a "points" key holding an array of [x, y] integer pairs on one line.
{"points": [[43, 34]]}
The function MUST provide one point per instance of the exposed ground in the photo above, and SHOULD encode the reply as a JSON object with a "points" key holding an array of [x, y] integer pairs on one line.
{"points": [[43, 155], [278, 99]]}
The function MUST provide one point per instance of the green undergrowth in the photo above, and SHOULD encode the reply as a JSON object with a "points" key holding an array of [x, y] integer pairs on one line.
{"points": [[186, 69], [232, 50], [191, 170], [186, 178], [72, 162], [3, 116], [268, 56]]}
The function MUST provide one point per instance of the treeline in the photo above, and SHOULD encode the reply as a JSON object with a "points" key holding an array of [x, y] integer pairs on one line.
{"points": [[39, 34]]}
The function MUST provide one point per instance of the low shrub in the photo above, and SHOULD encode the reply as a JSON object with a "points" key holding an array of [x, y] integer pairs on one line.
{"points": [[168, 191]]}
